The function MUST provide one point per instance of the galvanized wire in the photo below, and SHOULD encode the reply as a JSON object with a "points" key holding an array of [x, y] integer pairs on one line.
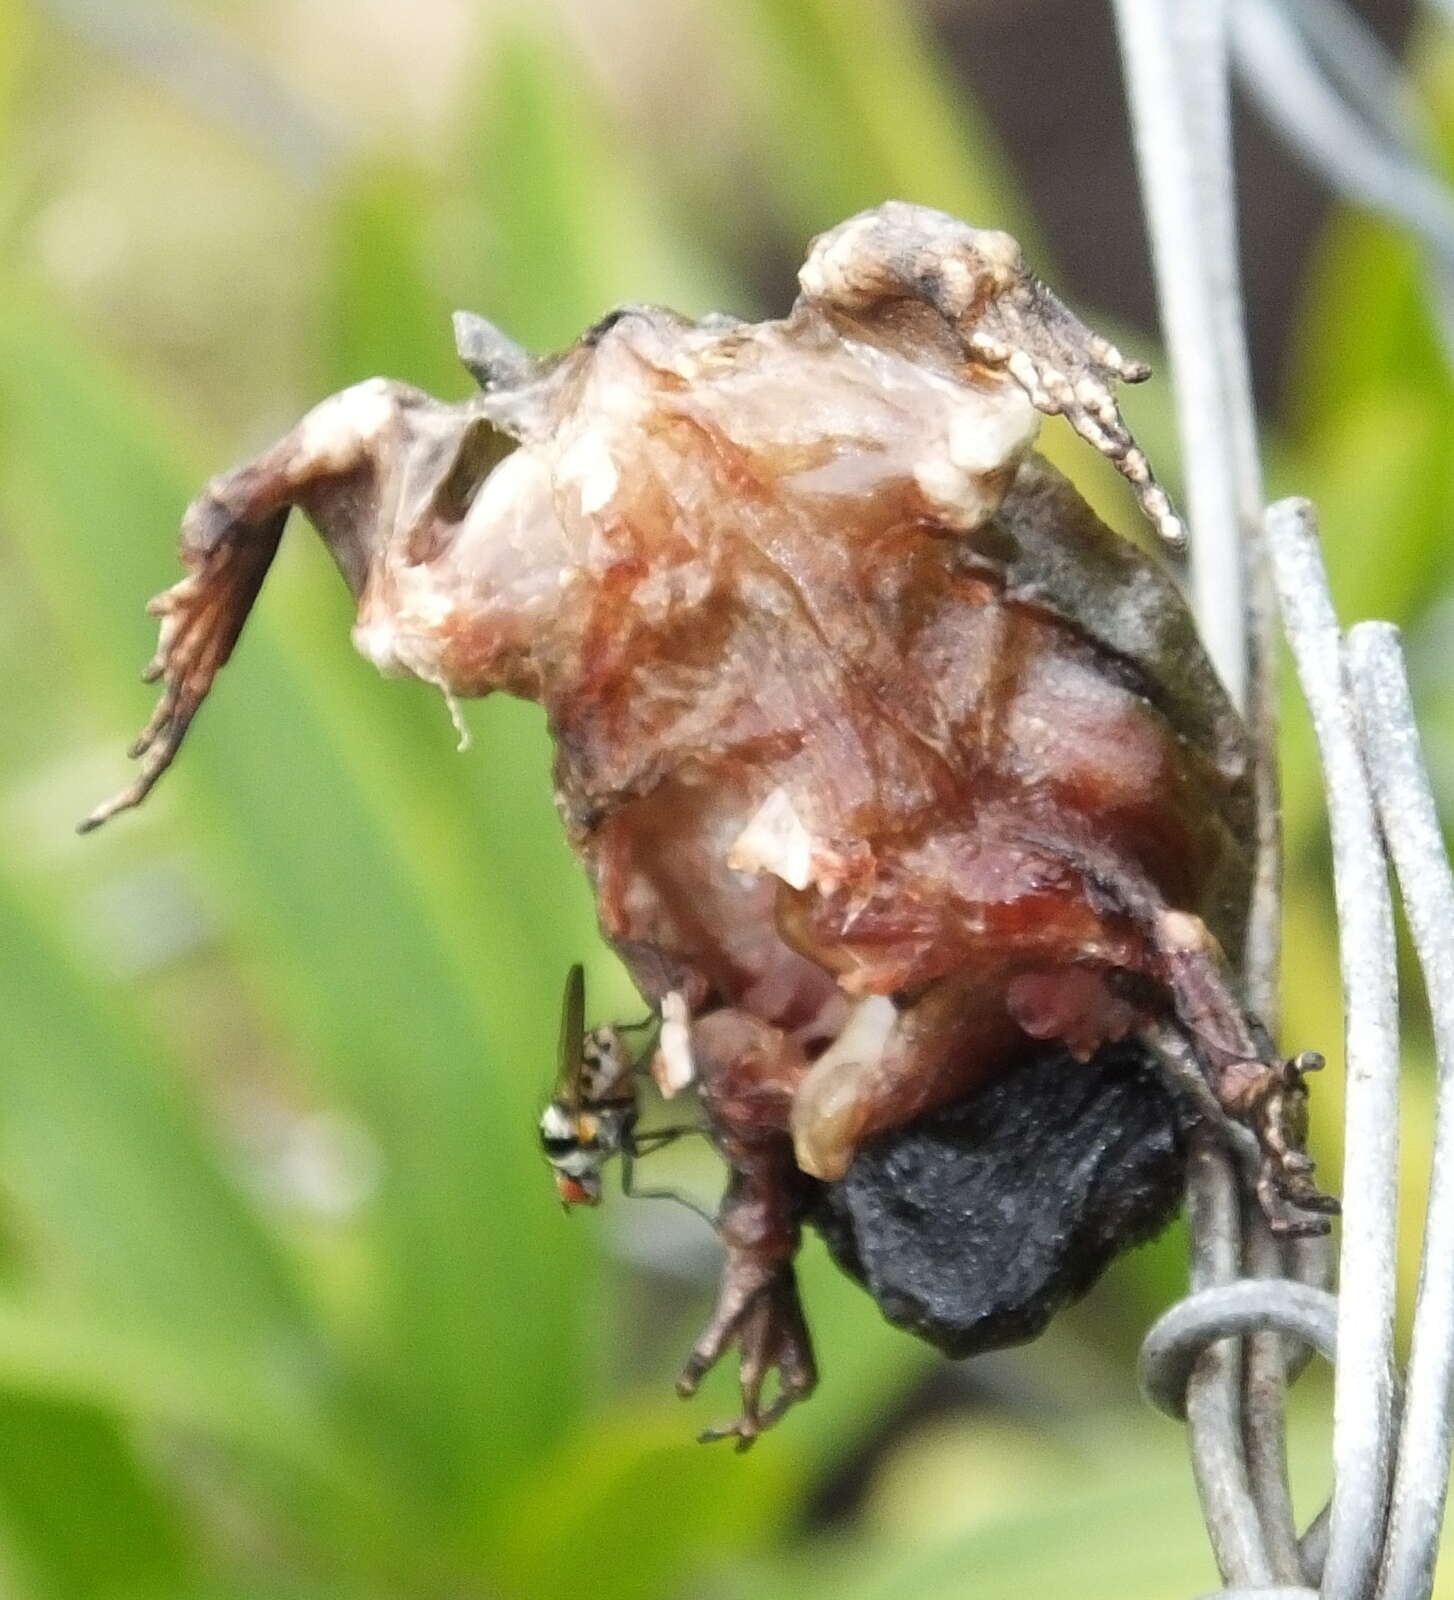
{"points": [[1221, 1355], [1175, 59], [1354, 146], [1363, 1384], [1327, 85], [1172, 1348], [1411, 828]]}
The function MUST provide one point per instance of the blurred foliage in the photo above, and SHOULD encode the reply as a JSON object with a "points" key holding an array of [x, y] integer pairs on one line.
{"points": [[285, 1307]]}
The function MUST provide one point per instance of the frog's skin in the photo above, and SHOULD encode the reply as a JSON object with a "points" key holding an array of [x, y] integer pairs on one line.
{"points": [[884, 756]]}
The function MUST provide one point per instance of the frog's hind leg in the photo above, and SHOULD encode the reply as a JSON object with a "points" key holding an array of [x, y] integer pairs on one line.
{"points": [[1250, 1082], [747, 1074]]}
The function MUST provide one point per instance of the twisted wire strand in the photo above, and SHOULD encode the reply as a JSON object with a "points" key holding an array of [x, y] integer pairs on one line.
{"points": [[1220, 1358], [1416, 845], [1363, 1379], [1175, 59], [1177, 1339]]}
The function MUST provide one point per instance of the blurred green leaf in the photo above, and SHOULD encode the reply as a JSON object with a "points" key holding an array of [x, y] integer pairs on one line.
{"points": [[1130, 1540], [838, 127], [1364, 331], [384, 312], [78, 1511], [601, 1503], [575, 223], [13, 51], [353, 931], [105, 1157]]}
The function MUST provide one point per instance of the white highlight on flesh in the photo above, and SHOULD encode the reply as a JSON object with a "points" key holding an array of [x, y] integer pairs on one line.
{"points": [[992, 434], [589, 465], [829, 270], [984, 432], [399, 653], [863, 1037], [673, 1067], [333, 430], [824, 1108], [374, 641], [521, 478], [1001, 251], [775, 841]]}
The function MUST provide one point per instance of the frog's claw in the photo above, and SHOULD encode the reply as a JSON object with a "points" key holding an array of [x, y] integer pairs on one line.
{"points": [[772, 1336], [201, 619], [1005, 319]]}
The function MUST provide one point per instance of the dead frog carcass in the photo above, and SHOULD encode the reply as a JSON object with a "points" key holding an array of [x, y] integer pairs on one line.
{"points": [[896, 773]]}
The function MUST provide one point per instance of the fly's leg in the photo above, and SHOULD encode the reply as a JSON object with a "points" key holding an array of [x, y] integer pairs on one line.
{"points": [[748, 1072], [1005, 319], [644, 1144], [1252, 1084], [628, 1174]]}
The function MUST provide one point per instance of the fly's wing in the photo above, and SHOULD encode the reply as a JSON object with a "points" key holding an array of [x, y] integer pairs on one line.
{"points": [[571, 1054]]}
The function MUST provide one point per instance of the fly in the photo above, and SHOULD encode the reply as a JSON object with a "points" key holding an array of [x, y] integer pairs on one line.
{"points": [[593, 1113]]}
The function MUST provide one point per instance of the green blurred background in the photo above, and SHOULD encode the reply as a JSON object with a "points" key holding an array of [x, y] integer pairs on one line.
{"points": [[286, 1306]]}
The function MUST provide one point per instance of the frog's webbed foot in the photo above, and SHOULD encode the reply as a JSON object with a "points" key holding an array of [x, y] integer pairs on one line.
{"points": [[1224, 1056], [201, 619], [761, 1315], [1005, 319], [1274, 1104], [1260, 1106]]}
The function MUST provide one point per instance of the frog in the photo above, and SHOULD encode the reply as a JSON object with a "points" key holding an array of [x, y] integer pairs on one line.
{"points": [[888, 761]]}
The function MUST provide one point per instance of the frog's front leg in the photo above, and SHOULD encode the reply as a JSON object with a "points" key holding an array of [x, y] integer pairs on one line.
{"points": [[335, 465], [1002, 318], [747, 1071]]}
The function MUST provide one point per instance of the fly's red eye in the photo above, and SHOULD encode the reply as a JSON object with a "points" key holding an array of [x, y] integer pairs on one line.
{"points": [[574, 1192]]}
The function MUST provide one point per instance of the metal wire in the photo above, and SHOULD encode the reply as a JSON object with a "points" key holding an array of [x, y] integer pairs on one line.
{"points": [[1411, 827], [1282, 1592], [1363, 1384], [1220, 1357], [1360, 158], [1327, 85], [1174, 1344], [1174, 53]]}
